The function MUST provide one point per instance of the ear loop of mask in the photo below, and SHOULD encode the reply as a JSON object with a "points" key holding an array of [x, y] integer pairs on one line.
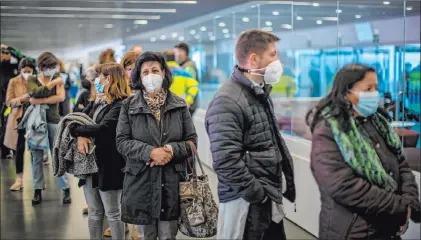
{"points": [[251, 71]]}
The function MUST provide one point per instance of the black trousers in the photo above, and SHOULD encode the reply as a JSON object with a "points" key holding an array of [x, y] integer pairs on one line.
{"points": [[259, 224], [20, 151]]}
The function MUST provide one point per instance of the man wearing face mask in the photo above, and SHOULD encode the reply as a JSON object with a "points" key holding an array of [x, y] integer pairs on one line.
{"points": [[9, 68], [249, 155]]}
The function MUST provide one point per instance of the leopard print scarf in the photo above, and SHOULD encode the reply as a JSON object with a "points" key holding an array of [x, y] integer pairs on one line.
{"points": [[155, 103]]}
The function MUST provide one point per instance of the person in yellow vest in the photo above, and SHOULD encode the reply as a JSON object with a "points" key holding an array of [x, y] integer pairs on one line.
{"points": [[184, 85]]}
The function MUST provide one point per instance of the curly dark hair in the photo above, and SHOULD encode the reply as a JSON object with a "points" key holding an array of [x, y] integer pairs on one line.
{"points": [[150, 57], [340, 107]]}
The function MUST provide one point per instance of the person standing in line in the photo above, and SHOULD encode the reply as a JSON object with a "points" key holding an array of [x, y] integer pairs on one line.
{"points": [[249, 154], [9, 68], [181, 53], [137, 49], [64, 106], [368, 190], [154, 134], [47, 88], [107, 56], [84, 96], [128, 63], [17, 100], [103, 190], [184, 85]]}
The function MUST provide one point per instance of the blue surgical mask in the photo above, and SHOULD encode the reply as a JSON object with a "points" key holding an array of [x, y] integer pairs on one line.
{"points": [[99, 87], [368, 103]]}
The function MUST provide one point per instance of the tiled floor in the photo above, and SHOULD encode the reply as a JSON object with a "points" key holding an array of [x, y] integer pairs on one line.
{"points": [[52, 219]]}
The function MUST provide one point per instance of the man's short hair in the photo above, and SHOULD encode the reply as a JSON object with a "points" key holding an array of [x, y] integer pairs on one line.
{"points": [[253, 41], [183, 46]]}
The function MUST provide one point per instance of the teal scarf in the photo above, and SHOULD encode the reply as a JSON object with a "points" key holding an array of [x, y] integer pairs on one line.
{"points": [[358, 152]]}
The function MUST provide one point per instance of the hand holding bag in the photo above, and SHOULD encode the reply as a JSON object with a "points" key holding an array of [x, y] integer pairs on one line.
{"points": [[199, 212]]}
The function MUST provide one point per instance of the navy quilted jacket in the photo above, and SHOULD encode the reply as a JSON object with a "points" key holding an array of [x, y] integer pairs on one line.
{"points": [[249, 154]]}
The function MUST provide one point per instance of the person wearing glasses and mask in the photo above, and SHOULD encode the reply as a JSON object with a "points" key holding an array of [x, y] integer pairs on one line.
{"points": [[17, 100], [367, 189], [154, 134], [249, 154], [47, 88]]}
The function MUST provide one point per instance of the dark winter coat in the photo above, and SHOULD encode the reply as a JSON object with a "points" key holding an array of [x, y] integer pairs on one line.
{"points": [[249, 154], [152, 193], [110, 162], [353, 208]]}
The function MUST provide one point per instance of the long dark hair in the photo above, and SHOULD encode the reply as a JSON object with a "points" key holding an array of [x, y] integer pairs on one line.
{"points": [[339, 107], [150, 57]]}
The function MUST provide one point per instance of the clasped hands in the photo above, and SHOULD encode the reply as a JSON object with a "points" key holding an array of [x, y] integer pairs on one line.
{"points": [[160, 156]]}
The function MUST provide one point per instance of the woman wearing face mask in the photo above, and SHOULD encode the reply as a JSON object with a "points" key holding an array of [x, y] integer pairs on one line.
{"points": [[47, 88], [16, 99], [103, 190], [128, 63], [367, 189], [154, 134]]}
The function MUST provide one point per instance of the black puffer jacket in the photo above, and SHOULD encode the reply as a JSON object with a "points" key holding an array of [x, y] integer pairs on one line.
{"points": [[353, 208], [151, 193], [249, 154]]}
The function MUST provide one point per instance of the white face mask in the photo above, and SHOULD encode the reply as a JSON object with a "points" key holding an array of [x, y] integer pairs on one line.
{"points": [[13, 60], [273, 72], [51, 72], [152, 82], [26, 76]]}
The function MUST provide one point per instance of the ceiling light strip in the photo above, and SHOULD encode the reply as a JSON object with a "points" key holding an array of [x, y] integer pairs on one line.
{"points": [[121, 17], [104, 1], [83, 9]]}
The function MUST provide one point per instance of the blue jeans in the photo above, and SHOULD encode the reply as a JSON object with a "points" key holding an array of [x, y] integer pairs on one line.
{"points": [[37, 157], [103, 203]]}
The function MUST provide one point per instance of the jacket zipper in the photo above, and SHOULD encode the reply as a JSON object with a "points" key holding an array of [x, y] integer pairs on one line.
{"points": [[354, 219]]}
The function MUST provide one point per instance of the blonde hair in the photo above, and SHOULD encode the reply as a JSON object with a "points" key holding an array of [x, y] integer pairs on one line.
{"points": [[106, 56], [119, 87], [128, 59]]}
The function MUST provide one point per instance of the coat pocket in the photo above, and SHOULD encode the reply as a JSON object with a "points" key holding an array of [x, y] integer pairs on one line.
{"points": [[132, 172]]}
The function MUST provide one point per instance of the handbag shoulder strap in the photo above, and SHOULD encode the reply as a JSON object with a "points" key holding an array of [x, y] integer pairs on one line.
{"points": [[196, 158]]}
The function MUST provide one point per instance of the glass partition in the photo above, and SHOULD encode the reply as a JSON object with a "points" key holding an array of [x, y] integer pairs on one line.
{"points": [[408, 92], [317, 39]]}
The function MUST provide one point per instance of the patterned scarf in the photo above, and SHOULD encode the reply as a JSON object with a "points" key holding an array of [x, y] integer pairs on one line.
{"points": [[155, 103], [358, 152]]}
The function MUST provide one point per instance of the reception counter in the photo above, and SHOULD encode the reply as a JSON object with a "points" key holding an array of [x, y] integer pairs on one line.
{"points": [[308, 196]]}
